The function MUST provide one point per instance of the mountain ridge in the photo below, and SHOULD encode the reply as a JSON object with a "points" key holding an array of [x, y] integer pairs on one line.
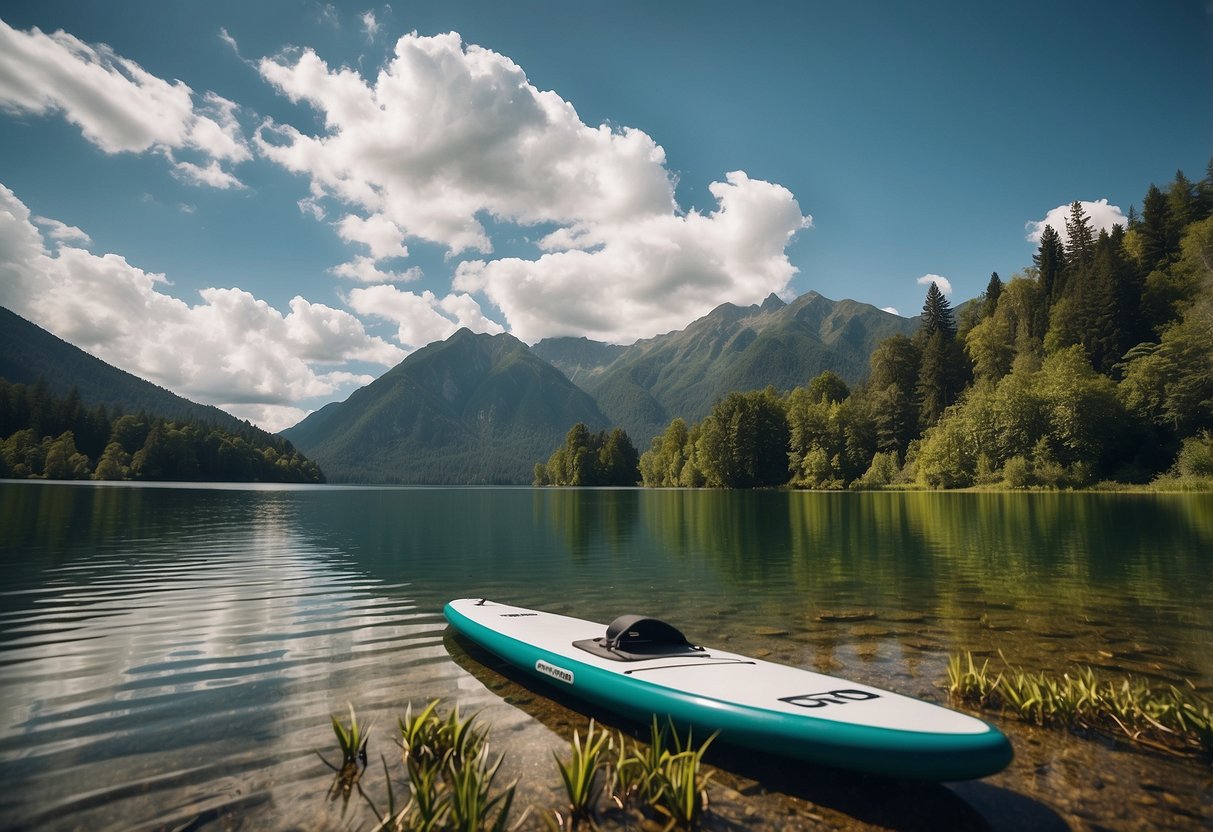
{"points": [[681, 373]]}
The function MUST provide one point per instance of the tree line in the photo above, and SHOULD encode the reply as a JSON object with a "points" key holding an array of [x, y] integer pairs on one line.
{"points": [[588, 459], [58, 437], [1094, 363]]}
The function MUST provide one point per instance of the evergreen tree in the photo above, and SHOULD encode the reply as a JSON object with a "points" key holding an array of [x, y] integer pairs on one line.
{"points": [[937, 315], [993, 292], [939, 378], [1050, 260], [1159, 240], [1080, 244], [891, 385], [1181, 200]]}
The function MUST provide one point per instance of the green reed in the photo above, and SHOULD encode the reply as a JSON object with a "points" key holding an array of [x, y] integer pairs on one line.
{"points": [[665, 777], [450, 775], [1168, 719], [581, 774], [351, 739]]}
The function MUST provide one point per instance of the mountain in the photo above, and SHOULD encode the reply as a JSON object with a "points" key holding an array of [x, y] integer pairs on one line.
{"points": [[644, 386], [28, 352], [468, 410]]}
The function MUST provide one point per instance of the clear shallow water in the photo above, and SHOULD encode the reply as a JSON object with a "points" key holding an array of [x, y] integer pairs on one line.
{"points": [[170, 655]]}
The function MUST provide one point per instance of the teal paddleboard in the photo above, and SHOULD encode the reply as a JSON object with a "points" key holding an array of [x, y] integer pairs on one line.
{"points": [[642, 667]]}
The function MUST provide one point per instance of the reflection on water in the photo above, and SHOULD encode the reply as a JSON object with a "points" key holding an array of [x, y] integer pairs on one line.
{"points": [[171, 654]]}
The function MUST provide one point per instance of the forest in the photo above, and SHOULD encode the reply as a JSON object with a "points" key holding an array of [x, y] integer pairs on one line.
{"points": [[43, 436], [1094, 364]]}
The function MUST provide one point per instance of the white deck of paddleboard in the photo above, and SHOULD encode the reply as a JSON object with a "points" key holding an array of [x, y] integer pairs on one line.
{"points": [[725, 677]]}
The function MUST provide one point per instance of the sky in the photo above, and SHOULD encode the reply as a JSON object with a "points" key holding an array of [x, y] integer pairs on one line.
{"points": [[265, 206]]}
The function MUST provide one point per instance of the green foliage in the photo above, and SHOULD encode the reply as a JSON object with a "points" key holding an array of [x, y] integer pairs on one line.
{"points": [[830, 443], [1195, 459], [937, 315], [588, 459], [53, 437], [828, 387], [584, 775], [1166, 718], [744, 442]]}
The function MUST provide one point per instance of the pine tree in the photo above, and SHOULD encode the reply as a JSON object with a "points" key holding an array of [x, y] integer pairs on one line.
{"points": [[993, 292], [1159, 242], [937, 315], [1181, 199], [939, 379], [1050, 260], [1080, 245]]}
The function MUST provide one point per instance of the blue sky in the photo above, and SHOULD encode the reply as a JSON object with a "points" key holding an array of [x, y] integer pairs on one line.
{"points": [[264, 206]]}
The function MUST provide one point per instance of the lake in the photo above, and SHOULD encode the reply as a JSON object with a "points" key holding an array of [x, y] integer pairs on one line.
{"points": [[170, 655]]}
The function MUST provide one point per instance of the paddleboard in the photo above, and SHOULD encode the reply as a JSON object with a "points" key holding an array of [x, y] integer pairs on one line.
{"points": [[640, 667]]}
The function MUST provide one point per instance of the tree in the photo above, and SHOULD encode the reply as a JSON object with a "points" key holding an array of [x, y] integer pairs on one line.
{"points": [[663, 464], [114, 463], [992, 293], [618, 461], [828, 386], [1157, 232], [63, 461], [744, 442], [937, 315], [891, 391], [1080, 243], [1050, 260], [940, 377]]}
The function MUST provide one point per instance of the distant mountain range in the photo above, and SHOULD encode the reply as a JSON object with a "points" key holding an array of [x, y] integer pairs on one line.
{"points": [[473, 409], [644, 386], [28, 353], [485, 408]]}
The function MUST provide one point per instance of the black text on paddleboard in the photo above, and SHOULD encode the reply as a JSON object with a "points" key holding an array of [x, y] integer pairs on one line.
{"points": [[557, 673], [833, 697]]}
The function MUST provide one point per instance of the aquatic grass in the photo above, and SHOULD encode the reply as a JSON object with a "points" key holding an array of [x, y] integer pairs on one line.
{"points": [[1172, 720], [450, 776], [580, 774], [470, 798], [663, 778], [683, 793], [968, 682], [352, 739]]}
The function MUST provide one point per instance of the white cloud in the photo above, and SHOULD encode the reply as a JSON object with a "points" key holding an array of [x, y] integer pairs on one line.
{"points": [[119, 106], [447, 134], [370, 26], [943, 283], [271, 417], [421, 318], [229, 349], [62, 232], [891, 310], [1102, 215], [382, 236], [364, 270], [630, 280]]}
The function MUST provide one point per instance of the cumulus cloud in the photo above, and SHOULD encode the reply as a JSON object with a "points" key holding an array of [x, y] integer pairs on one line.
{"points": [[891, 310], [1102, 215], [382, 236], [229, 349], [364, 270], [421, 318], [61, 232], [943, 283], [119, 106], [449, 133]]}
